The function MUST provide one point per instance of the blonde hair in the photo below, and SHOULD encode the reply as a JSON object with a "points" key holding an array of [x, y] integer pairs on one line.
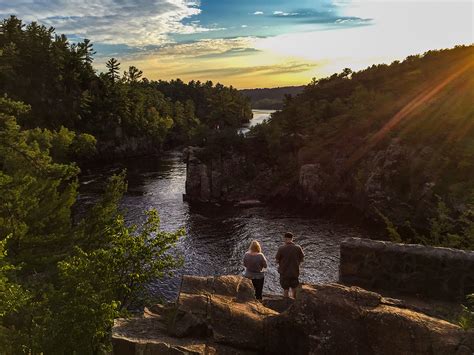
{"points": [[255, 246]]}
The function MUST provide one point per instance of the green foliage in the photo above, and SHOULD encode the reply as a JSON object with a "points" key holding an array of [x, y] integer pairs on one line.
{"points": [[449, 231], [392, 136], [270, 98], [216, 106], [62, 284], [97, 286], [36, 195], [133, 74], [392, 232], [45, 71], [446, 229], [113, 69], [57, 80], [466, 320], [13, 297]]}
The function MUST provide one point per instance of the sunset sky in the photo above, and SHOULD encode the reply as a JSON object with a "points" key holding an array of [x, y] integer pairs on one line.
{"points": [[252, 43]]}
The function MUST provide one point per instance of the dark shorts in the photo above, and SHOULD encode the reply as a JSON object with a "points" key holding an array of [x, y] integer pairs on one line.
{"points": [[289, 282]]}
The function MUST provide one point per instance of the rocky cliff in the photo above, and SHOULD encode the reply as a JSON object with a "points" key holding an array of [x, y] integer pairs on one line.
{"points": [[219, 315], [220, 179], [374, 184], [385, 179]]}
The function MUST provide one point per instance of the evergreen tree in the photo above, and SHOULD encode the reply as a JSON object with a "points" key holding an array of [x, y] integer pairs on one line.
{"points": [[80, 276], [113, 67]]}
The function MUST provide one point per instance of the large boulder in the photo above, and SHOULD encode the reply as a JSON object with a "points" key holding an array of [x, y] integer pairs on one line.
{"points": [[219, 315], [223, 308], [212, 315], [337, 319], [433, 272]]}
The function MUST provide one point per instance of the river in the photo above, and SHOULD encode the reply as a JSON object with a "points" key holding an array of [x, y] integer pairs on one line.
{"points": [[259, 116], [217, 238]]}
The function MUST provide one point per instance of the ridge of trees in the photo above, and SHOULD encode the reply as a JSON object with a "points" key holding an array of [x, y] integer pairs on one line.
{"points": [[422, 107], [270, 98], [56, 78]]}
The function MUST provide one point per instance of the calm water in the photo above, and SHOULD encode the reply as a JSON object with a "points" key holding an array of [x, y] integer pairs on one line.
{"points": [[259, 116], [217, 238]]}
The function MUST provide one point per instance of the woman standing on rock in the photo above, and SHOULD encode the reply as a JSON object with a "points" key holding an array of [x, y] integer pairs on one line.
{"points": [[255, 262]]}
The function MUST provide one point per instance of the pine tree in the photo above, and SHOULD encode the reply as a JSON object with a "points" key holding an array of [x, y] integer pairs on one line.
{"points": [[113, 67]]}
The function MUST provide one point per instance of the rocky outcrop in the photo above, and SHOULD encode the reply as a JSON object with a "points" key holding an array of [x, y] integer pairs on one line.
{"points": [[336, 319], [219, 315], [219, 179], [212, 315], [198, 185], [382, 180], [431, 272], [388, 179]]}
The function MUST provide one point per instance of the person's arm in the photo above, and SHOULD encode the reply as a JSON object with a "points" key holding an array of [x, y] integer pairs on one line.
{"points": [[264, 262], [278, 256], [301, 256]]}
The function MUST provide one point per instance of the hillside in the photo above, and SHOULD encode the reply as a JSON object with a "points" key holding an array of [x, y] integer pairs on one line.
{"points": [[128, 114], [390, 138], [270, 98], [395, 142]]}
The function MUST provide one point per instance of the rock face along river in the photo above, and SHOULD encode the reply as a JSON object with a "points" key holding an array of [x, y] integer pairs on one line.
{"points": [[216, 237]]}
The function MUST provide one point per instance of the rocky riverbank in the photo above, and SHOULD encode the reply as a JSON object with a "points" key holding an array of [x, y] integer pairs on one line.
{"points": [[222, 179], [219, 315], [387, 180]]}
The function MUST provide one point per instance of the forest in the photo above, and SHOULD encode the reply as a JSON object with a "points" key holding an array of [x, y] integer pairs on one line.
{"points": [[270, 98], [56, 79], [64, 279], [394, 141]]}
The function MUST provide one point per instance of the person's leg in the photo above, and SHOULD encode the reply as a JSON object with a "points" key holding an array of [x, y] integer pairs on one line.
{"points": [[259, 288], [294, 285], [284, 286], [255, 286]]}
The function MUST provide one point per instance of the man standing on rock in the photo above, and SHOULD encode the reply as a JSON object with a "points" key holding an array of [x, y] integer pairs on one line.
{"points": [[289, 258]]}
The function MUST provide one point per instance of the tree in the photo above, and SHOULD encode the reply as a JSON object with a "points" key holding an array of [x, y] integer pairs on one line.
{"points": [[78, 276], [56, 78], [133, 74], [86, 51], [113, 67]]}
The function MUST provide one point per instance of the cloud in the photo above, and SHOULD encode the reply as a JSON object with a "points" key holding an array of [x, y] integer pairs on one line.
{"points": [[131, 22], [440, 26], [324, 15], [206, 48], [258, 13], [244, 26], [263, 70], [284, 14], [233, 52]]}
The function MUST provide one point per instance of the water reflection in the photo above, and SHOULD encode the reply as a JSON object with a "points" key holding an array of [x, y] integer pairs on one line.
{"points": [[259, 116], [217, 238]]}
